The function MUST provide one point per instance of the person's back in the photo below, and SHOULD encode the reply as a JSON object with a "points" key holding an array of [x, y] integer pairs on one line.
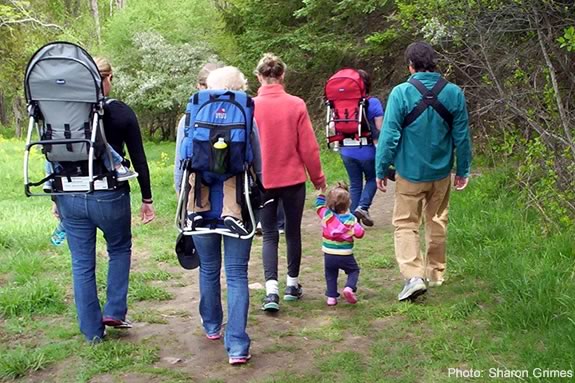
{"points": [[425, 151], [281, 117]]}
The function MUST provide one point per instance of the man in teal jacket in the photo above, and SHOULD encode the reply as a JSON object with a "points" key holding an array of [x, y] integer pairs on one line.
{"points": [[423, 151]]}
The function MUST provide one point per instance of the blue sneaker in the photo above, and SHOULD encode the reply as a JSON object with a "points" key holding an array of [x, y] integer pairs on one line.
{"points": [[271, 303], [58, 236]]}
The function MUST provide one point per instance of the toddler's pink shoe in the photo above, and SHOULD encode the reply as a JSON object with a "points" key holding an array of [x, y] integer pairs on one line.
{"points": [[349, 295], [331, 301]]}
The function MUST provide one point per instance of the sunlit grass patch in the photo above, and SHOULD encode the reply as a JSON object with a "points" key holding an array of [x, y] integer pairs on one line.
{"points": [[114, 355], [34, 297]]}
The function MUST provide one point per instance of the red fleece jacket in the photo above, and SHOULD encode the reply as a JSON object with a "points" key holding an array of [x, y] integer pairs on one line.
{"points": [[288, 143]]}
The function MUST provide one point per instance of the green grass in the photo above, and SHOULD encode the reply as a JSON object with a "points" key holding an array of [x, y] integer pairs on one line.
{"points": [[509, 299], [20, 361]]}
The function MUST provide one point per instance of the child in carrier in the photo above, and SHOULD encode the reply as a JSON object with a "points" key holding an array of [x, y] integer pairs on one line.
{"points": [[339, 227], [122, 172], [229, 78]]}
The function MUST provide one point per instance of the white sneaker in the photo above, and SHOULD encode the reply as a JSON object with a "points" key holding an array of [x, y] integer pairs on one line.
{"points": [[413, 288], [125, 174]]}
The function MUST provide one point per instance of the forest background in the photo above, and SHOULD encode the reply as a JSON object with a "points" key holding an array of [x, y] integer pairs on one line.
{"points": [[513, 58], [510, 297]]}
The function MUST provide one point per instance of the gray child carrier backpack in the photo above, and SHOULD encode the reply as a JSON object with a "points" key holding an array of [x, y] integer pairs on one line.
{"points": [[66, 104]]}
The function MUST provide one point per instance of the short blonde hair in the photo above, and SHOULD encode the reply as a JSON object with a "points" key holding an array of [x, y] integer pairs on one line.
{"points": [[104, 66], [338, 198], [205, 72], [271, 66], [228, 77]]}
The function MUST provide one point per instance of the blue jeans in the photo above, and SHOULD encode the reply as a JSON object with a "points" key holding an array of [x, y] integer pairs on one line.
{"points": [[361, 195], [82, 214], [236, 258]]}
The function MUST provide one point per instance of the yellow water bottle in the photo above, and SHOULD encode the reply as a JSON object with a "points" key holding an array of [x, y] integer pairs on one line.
{"points": [[220, 156]]}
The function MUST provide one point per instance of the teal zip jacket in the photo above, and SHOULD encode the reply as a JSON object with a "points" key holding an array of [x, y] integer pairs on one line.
{"points": [[424, 151]]}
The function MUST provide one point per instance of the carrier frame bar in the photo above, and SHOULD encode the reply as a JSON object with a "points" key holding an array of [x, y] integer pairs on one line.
{"points": [[330, 123], [96, 124], [181, 212]]}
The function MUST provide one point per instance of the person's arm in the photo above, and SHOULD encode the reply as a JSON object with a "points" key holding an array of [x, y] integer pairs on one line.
{"points": [[376, 112], [256, 148], [462, 143], [358, 230], [308, 149], [137, 154], [389, 138], [320, 205], [178, 171]]}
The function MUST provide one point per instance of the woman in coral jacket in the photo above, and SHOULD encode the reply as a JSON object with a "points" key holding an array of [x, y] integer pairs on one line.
{"points": [[289, 149]]}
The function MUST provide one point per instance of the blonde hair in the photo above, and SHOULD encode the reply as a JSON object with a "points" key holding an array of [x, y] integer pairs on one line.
{"points": [[338, 198], [271, 66], [104, 66], [205, 72], [228, 77]]}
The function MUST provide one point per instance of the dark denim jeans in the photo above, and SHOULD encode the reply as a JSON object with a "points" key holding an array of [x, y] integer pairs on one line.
{"points": [[236, 258], [332, 265], [361, 195], [82, 214]]}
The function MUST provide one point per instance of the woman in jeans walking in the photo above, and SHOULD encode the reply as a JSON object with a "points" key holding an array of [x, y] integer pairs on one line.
{"points": [[289, 149], [236, 254]]}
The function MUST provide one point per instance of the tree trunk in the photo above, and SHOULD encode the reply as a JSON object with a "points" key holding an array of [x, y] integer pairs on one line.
{"points": [[17, 108], [3, 113], [96, 17], [553, 75]]}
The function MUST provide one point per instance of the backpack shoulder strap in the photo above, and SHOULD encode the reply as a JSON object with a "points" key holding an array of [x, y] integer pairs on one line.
{"points": [[429, 98]]}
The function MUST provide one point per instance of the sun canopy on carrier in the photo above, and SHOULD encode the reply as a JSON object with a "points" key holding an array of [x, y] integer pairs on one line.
{"points": [[63, 72]]}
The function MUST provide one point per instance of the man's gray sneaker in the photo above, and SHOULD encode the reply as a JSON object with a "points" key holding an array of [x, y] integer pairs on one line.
{"points": [[413, 288]]}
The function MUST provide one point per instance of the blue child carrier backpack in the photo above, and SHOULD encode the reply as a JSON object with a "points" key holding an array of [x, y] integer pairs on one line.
{"points": [[215, 118], [210, 116]]}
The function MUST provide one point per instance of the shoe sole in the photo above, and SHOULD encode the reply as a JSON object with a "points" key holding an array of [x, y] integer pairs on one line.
{"points": [[117, 324], [363, 218], [271, 307], [214, 337], [350, 297], [292, 298], [414, 294], [239, 361], [130, 177]]}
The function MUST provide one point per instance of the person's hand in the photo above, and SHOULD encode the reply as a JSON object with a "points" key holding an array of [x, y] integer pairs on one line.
{"points": [[321, 186], [381, 184], [147, 213], [55, 212], [460, 183]]}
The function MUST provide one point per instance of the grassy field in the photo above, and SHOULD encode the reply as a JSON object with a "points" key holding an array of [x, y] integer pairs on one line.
{"points": [[508, 303]]}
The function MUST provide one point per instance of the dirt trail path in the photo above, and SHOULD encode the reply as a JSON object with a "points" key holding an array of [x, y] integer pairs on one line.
{"points": [[283, 342]]}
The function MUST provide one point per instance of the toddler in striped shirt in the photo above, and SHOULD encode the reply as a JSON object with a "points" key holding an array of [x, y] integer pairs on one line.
{"points": [[339, 227]]}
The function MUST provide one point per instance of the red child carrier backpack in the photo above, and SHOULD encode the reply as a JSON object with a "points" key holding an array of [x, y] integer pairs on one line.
{"points": [[346, 102]]}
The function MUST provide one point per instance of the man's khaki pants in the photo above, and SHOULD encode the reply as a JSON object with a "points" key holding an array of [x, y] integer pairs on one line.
{"points": [[412, 200]]}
